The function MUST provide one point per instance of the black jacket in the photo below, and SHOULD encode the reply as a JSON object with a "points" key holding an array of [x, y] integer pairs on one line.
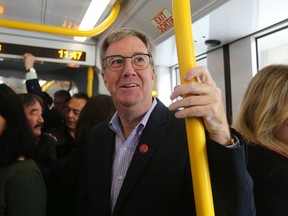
{"points": [[269, 171], [159, 181]]}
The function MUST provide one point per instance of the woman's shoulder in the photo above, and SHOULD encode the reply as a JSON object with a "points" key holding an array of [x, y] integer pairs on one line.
{"points": [[262, 153], [23, 183], [265, 163], [20, 167]]}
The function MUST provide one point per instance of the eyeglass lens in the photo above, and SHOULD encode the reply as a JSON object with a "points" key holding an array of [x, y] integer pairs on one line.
{"points": [[139, 61]]}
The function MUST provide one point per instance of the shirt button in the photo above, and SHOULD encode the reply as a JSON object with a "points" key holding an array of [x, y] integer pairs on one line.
{"points": [[120, 177]]}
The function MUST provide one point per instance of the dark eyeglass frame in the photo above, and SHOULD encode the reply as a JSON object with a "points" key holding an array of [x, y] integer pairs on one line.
{"points": [[131, 57]]}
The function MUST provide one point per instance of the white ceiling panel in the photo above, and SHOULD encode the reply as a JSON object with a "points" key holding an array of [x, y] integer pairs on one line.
{"points": [[69, 13], [225, 20]]}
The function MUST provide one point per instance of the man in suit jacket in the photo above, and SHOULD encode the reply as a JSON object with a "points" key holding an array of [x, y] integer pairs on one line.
{"points": [[51, 118], [138, 163], [45, 152]]}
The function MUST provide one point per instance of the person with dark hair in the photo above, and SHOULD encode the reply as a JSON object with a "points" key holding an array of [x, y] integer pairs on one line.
{"points": [[51, 117], [73, 110], [65, 135], [47, 99], [65, 143], [138, 162], [45, 155], [98, 109], [33, 107], [61, 97], [22, 189], [263, 122]]}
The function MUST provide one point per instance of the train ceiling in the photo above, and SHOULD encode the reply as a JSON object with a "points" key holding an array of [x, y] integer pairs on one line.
{"points": [[69, 13], [224, 20]]}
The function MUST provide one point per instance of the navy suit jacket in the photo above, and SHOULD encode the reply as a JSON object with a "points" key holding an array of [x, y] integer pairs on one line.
{"points": [[158, 182]]}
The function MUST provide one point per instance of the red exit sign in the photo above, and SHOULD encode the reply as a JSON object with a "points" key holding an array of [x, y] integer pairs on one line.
{"points": [[163, 20]]}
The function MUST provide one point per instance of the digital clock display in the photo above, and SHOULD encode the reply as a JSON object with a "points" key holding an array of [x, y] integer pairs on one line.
{"points": [[70, 54], [16, 49]]}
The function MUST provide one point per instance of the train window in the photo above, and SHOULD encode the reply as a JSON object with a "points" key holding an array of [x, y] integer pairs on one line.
{"points": [[200, 61], [272, 48], [175, 76], [52, 86], [19, 86]]}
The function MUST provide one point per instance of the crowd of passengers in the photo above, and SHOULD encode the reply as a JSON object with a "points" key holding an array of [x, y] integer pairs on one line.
{"points": [[58, 127], [123, 163]]}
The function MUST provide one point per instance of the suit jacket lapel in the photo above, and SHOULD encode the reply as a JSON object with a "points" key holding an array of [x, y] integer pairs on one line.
{"points": [[150, 137]]}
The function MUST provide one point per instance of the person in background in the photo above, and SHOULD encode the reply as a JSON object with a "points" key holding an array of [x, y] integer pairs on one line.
{"points": [[138, 163], [51, 118], [47, 99], [263, 121], [65, 135], [98, 109], [22, 189], [45, 155], [61, 97]]}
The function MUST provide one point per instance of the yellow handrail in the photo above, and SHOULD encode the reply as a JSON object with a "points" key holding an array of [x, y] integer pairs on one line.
{"points": [[47, 85], [64, 31], [194, 126], [90, 78]]}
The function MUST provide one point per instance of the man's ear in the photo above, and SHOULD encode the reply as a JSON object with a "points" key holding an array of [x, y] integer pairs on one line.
{"points": [[153, 73]]}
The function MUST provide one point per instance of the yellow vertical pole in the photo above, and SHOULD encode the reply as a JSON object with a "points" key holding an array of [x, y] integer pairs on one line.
{"points": [[90, 77], [194, 126]]}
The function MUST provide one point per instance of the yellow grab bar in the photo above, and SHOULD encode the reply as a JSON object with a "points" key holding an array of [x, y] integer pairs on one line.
{"points": [[90, 78], [64, 31], [194, 126]]}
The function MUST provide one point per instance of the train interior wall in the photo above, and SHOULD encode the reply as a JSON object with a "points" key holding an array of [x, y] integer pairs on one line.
{"points": [[242, 67]]}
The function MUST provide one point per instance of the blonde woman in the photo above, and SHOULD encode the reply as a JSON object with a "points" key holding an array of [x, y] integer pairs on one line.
{"points": [[263, 121]]}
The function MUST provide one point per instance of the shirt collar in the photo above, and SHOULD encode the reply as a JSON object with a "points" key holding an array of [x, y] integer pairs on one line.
{"points": [[115, 124]]}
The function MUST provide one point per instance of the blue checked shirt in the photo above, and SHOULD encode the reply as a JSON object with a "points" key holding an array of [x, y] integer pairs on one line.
{"points": [[124, 151]]}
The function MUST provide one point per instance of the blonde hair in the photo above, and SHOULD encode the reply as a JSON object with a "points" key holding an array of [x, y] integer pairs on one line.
{"points": [[123, 33], [265, 107]]}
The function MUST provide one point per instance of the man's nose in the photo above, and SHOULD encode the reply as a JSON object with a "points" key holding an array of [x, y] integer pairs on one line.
{"points": [[70, 114], [40, 119], [128, 67]]}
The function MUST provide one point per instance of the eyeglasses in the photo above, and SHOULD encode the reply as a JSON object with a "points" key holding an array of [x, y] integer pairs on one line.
{"points": [[116, 63]]}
